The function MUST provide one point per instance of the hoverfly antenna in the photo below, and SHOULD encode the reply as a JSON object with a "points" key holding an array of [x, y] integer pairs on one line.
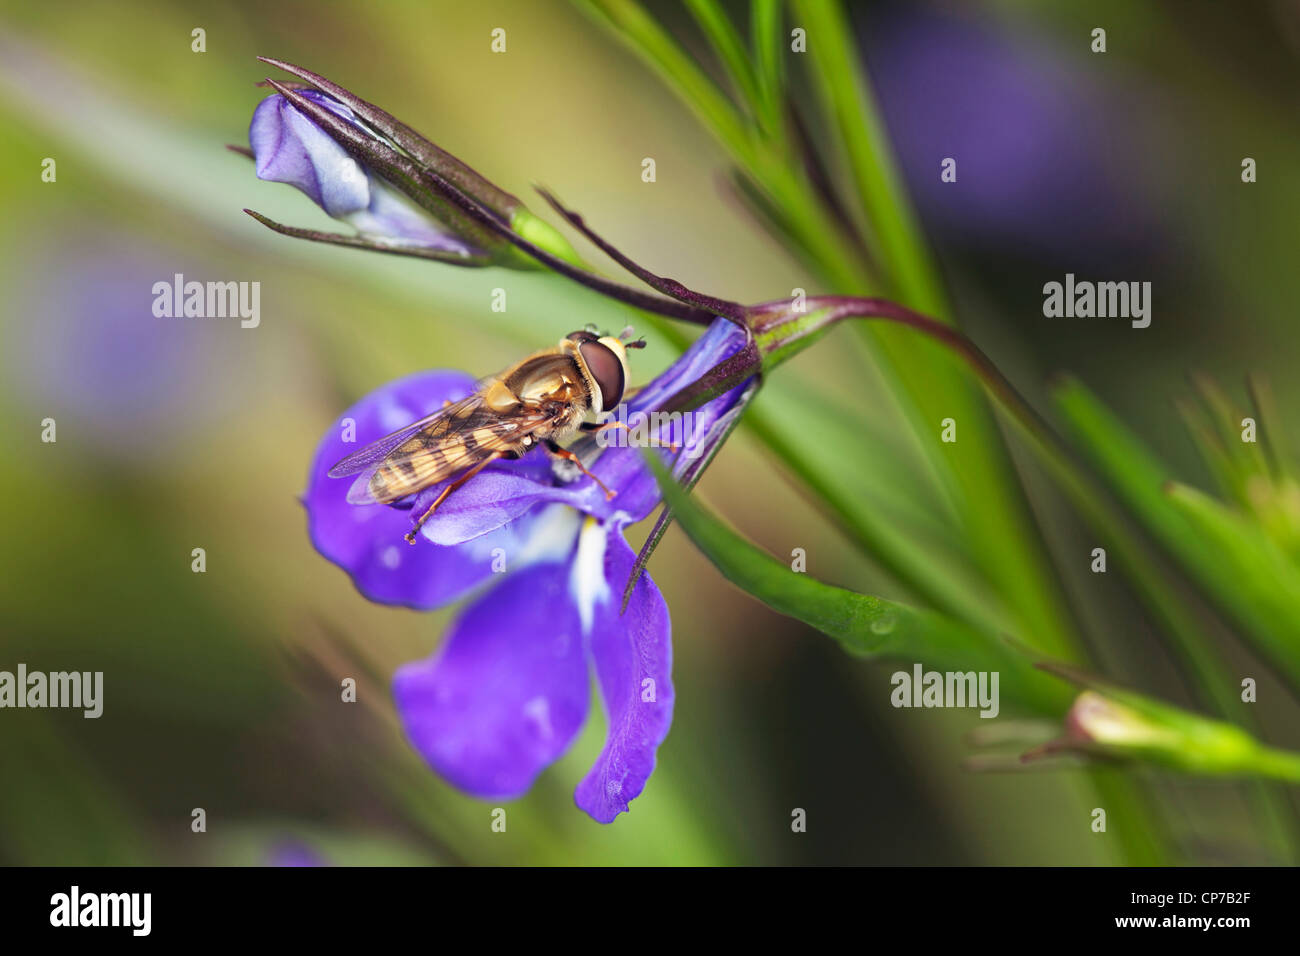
{"points": [[590, 327], [627, 334]]}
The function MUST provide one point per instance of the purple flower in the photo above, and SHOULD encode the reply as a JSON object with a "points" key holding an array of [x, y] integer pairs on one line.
{"points": [[546, 559]]}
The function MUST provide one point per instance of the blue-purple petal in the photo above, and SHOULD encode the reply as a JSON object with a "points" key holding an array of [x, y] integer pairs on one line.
{"points": [[395, 219], [366, 540], [720, 340], [624, 469], [508, 691], [290, 148], [492, 499], [632, 655]]}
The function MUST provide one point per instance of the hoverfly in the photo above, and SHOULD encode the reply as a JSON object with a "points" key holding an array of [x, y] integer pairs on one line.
{"points": [[539, 401]]}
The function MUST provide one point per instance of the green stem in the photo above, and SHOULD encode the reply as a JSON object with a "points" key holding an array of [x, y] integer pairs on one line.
{"points": [[1280, 764]]}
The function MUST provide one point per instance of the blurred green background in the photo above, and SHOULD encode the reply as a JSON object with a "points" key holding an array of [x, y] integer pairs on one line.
{"points": [[222, 688]]}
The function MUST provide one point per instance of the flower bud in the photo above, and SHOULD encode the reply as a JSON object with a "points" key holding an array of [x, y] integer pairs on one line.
{"points": [[289, 148], [1136, 727], [400, 192]]}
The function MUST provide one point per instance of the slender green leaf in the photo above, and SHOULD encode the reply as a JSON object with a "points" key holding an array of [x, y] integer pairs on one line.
{"points": [[729, 47], [1251, 572], [1139, 479], [975, 467], [769, 64], [864, 625], [1230, 558], [630, 21], [1274, 437], [861, 133]]}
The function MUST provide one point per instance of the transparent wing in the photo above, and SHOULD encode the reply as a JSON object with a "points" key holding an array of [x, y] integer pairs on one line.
{"points": [[443, 447], [490, 422], [374, 453]]}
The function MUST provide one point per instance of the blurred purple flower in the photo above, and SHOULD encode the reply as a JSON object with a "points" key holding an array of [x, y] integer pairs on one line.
{"points": [[1033, 137], [508, 691], [293, 853], [129, 386]]}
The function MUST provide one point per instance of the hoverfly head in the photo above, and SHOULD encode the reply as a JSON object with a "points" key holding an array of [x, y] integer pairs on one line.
{"points": [[604, 359]]}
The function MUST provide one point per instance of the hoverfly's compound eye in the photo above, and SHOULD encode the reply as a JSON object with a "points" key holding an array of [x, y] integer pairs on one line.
{"points": [[587, 336], [607, 369]]}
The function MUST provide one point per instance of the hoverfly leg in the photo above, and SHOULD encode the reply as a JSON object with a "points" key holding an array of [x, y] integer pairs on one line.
{"points": [[567, 455], [442, 496], [592, 428]]}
